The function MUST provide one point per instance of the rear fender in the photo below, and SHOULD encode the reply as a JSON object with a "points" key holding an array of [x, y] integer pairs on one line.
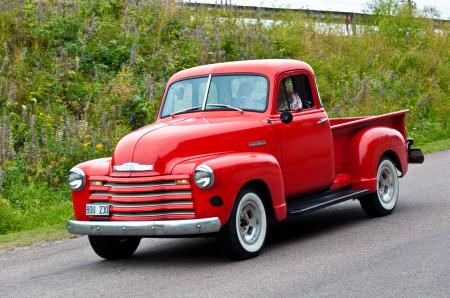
{"points": [[231, 173], [365, 151]]}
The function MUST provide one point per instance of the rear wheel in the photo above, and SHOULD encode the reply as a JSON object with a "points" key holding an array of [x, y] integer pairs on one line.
{"points": [[244, 235], [114, 247], [384, 200]]}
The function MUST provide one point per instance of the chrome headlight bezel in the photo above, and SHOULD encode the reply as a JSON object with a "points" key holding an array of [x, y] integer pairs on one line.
{"points": [[204, 177], [76, 179]]}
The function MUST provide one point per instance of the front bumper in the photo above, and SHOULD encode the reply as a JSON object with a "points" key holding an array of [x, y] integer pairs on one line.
{"points": [[145, 228]]}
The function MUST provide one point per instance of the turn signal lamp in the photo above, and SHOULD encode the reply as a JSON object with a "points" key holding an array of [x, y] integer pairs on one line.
{"points": [[97, 183], [182, 181]]}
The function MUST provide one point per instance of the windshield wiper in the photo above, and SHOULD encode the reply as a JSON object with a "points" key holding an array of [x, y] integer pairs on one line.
{"points": [[186, 110], [223, 106]]}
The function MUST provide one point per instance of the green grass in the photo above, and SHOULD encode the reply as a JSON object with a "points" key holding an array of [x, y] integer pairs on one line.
{"points": [[25, 205], [34, 236], [435, 146]]}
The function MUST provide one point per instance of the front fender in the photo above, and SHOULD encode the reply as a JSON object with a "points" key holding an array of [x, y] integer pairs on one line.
{"points": [[365, 151], [232, 171], [95, 167]]}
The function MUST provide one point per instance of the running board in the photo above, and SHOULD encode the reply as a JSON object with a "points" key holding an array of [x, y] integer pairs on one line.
{"points": [[308, 204]]}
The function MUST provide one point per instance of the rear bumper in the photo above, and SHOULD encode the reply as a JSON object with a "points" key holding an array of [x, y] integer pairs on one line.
{"points": [[145, 228], [414, 155]]}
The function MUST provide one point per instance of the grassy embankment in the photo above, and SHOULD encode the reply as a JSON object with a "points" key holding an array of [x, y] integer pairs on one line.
{"points": [[76, 76]]}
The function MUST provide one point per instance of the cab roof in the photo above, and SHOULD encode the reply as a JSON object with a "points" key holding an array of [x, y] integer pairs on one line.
{"points": [[268, 67]]}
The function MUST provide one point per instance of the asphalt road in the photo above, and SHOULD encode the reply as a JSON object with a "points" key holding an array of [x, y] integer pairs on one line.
{"points": [[336, 252]]}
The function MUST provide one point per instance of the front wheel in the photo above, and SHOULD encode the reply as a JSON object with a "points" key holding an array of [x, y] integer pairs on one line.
{"points": [[114, 247], [244, 235], [384, 200]]}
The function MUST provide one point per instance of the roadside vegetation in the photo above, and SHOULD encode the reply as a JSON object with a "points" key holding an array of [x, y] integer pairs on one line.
{"points": [[75, 76]]}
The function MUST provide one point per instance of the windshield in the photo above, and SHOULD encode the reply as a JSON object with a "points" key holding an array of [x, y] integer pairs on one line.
{"points": [[225, 92]]}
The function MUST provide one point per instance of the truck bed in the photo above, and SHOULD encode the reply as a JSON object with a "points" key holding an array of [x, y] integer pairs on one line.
{"points": [[343, 129]]}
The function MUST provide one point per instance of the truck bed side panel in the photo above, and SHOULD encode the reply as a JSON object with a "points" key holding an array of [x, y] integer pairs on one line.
{"points": [[344, 129]]}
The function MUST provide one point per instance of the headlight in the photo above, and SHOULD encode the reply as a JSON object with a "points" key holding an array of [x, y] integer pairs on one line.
{"points": [[204, 176], [77, 179]]}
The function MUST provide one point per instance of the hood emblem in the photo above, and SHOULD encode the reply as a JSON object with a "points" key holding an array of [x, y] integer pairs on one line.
{"points": [[132, 167]]}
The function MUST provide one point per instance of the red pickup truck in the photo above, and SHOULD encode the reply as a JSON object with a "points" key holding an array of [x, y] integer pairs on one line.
{"points": [[236, 144]]}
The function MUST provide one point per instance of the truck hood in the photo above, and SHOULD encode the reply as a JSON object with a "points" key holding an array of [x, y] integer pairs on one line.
{"points": [[166, 143]]}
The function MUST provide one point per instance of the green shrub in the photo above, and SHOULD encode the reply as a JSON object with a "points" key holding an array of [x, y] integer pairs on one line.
{"points": [[7, 216]]}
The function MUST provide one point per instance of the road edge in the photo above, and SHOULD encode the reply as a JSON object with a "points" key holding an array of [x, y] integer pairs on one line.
{"points": [[34, 237]]}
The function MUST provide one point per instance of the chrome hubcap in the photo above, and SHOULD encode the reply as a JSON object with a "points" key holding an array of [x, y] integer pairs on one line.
{"points": [[386, 185], [249, 222]]}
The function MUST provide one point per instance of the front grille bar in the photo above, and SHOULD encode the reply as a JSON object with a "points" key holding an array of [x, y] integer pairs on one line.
{"points": [[141, 194], [156, 213], [137, 185], [165, 203]]}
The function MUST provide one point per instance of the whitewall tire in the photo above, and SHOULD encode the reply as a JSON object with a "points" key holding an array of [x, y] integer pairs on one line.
{"points": [[384, 200], [244, 235]]}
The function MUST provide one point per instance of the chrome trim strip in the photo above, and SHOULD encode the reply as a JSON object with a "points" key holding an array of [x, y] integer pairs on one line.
{"points": [[141, 194], [257, 143], [132, 167], [206, 92], [143, 184], [162, 203], [322, 120], [145, 228], [154, 213]]}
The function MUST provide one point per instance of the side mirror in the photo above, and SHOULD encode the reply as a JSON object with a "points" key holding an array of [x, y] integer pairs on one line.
{"points": [[286, 117]]}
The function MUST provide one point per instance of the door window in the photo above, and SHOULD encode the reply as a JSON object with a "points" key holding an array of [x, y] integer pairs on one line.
{"points": [[294, 94]]}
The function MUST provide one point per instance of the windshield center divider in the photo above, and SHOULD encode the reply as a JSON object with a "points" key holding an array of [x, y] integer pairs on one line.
{"points": [[206, 92]]}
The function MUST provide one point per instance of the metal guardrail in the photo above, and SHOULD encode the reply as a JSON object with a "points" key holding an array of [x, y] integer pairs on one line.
{"points": [[271, 12]]}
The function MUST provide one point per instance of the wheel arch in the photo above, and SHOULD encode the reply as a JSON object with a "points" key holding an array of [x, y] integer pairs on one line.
{"points": [[261, 187], [395, 159], [365, 151]]}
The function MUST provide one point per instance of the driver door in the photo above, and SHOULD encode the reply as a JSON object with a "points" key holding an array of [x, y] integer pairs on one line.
{"points": [[307, 159]]}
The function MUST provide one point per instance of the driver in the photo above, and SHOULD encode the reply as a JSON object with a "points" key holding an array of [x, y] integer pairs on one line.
{"points": [[294, 99]]}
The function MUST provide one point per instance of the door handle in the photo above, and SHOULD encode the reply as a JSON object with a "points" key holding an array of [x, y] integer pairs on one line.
{"points": [[322, 120]]}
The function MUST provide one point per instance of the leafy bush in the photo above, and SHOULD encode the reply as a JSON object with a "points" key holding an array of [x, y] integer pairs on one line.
{"points": [[7, 216]]}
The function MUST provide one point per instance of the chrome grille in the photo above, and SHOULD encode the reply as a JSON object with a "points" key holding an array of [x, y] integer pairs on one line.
{"points": [[152, 198]]}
